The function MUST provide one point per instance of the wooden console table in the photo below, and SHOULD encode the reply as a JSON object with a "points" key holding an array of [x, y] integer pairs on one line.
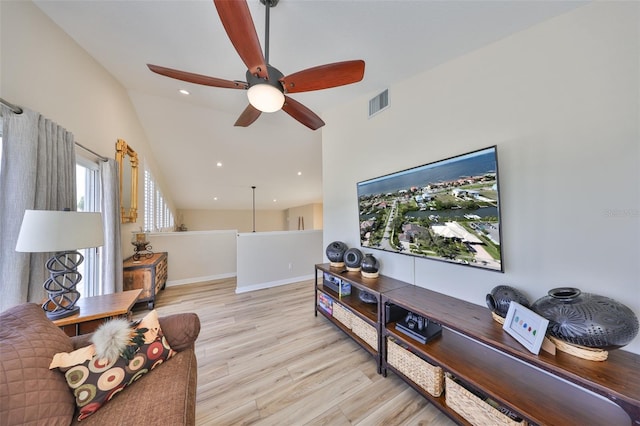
{"points": [[475, 351], [96, 310]]}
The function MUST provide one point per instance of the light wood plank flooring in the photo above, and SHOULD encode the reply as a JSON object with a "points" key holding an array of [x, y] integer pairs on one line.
{"points": [[265, 359]]}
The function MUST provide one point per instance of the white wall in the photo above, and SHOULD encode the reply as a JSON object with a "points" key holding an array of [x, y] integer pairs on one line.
{"points": [[258, 259], [560, 100], [197, 256], [268, 259], [44, 70], [309, 215], [241, 220]]}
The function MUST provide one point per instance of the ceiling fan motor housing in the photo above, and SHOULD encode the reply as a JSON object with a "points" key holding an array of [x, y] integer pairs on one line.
{"points": [[272, 3], [273, 80]]}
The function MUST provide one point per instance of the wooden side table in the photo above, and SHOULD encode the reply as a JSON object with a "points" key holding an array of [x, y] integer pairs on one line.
{"points": [[148, 274], [96, 310]]}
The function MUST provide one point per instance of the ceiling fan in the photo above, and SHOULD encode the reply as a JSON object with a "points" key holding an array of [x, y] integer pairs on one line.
{"points": [[266, 86]]}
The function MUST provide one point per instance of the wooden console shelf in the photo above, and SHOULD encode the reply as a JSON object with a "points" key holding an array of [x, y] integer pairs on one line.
{"points": [[542, 389], [369, 312]]}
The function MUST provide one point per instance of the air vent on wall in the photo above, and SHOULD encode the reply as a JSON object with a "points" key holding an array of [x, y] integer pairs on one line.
{"points": [[379, 103]]}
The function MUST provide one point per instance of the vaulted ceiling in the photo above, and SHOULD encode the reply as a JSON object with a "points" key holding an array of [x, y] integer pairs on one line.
{"points": [[190, 134]]}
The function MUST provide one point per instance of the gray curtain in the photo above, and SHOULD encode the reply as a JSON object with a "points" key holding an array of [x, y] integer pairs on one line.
{"points": [[112, 249], [38, 171]]}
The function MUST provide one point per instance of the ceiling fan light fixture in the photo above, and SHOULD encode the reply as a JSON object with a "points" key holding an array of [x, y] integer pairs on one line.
{"points": [[265, 97], [265, 84]]}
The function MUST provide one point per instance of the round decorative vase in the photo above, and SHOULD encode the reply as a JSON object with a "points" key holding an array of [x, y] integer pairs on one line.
{"points": [[335, 253], [587, 319], [367, 297], [353, 259], [500, 298], [369, 266]]}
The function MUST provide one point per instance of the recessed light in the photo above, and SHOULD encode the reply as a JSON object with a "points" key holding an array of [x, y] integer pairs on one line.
{"points": [[274, 200], [184, 92], [215, 198], [219, 164], [299, 173]]}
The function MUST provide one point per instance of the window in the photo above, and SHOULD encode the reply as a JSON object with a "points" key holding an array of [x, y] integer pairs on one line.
{"points": [[157, 215], [88, 200]]}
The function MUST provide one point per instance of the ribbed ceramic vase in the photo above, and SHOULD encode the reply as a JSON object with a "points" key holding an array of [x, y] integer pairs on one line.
{"points": [[353, 259], [369, 266], [500, 298], [335, 253], [587, 319]]}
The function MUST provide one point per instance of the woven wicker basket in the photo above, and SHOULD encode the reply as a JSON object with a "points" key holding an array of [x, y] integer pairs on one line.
{"points": [[497, 318], [425, 375], [365, 331], [343, 315], [473, 409], [591, 354]]}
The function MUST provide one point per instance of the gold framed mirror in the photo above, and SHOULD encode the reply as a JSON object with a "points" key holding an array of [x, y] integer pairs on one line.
{"points": [[127, 160]]}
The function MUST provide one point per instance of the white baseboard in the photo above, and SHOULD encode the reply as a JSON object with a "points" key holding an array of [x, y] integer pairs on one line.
{"points": [[260, 286], [192, 280]]}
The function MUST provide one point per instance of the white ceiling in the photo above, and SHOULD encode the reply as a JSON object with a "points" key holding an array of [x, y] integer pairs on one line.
{"points": [[189, 134]]}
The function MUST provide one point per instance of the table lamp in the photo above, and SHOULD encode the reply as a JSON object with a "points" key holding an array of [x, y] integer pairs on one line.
{"points": [[62, 232]]}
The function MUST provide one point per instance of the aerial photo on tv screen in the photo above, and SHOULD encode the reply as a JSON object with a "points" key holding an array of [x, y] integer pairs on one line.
{"points": [[447, 210]]}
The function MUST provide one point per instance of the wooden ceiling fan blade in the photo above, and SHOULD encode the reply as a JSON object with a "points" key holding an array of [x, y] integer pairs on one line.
{"points": [[324, 76], [301, 113], [197, 78], [238, 24], [248, 116]]}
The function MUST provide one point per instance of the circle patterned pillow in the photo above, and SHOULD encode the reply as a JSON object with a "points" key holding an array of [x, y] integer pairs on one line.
{"points": [[95, 381]]}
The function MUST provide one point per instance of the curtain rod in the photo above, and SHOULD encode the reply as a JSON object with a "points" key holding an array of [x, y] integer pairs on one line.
{"points": [[93, 152], [17, 110]]}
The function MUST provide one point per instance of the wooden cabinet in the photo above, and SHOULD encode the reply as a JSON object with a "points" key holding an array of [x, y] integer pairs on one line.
{"points": [[480, 361], [147, 274]]}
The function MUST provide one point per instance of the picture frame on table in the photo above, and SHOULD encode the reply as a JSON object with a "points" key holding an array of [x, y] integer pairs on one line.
{"points": [[526, 327]]}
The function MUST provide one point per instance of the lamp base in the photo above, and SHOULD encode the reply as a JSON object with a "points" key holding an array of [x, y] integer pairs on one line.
{"points": [[61, 285], [62, 313]]}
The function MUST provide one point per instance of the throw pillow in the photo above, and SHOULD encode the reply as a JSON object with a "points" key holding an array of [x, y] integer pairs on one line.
{"points": [[94, 381]]}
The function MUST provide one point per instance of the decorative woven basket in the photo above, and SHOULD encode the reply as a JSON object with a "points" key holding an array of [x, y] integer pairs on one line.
{"points": [[591, 354], [472, 408], [419, 371], [497, 318], [343, 315], [365, 331]]}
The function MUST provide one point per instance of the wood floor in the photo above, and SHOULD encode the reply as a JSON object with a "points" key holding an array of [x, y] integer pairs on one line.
{"points": [[265, 359]]}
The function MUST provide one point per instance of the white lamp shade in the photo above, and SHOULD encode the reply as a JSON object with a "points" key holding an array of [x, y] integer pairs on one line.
{"points": [[53, 231], [265, 97]]}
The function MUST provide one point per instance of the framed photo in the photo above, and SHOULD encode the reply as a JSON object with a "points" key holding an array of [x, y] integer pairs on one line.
{"points": [[526, 326]]}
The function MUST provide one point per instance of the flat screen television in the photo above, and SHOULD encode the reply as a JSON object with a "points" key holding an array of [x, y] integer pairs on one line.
{"points": [[448, 210]]}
